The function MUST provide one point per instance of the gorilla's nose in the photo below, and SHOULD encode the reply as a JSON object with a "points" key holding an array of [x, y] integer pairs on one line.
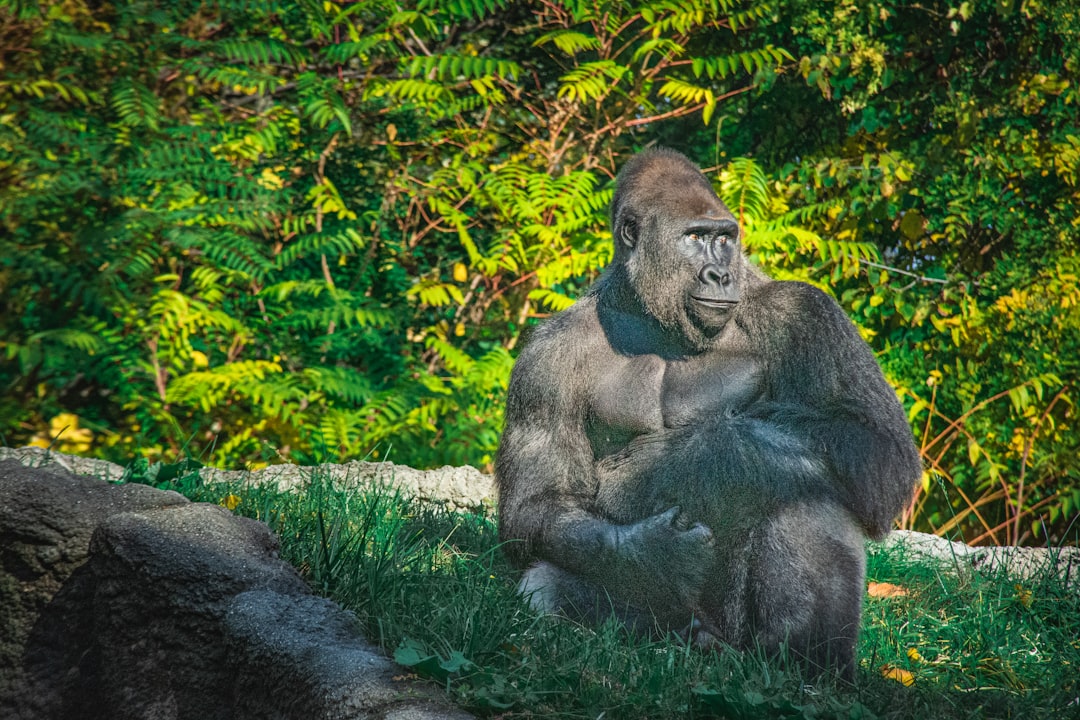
{"points": [[714, 275]]}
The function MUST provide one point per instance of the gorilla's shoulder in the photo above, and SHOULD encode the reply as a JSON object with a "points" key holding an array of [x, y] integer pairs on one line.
{"points": [[796, 298], [578, 322], [567, 333], [793, 314]]}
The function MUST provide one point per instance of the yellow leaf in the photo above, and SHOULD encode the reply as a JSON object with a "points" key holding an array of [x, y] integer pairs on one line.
{"points": [[63, 421], [459, 329], [900, 675], [1023, 595], [231, 501], [270, 180], [199, 358], [391, 131], [913, 653], [885, 590], [461, 273]]}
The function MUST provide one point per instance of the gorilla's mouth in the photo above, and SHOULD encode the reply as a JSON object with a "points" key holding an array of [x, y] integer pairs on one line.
{"points": [[715, 302]]}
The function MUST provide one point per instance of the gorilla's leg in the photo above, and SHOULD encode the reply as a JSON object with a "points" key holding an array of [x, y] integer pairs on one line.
{"points": [[550, 589], [807, 569]]}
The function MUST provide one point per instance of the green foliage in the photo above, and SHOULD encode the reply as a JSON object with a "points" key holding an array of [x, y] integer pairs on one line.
{"points": [[249, 230]]}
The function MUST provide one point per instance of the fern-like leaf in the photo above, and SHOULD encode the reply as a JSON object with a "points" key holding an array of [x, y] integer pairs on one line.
{"points": [[570, 42], [592, 80]]}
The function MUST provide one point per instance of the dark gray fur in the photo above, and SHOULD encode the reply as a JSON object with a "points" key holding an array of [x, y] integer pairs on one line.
{"points": [[696, 466]]}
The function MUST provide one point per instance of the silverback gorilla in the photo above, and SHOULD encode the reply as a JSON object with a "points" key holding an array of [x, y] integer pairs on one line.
{"points": [[698, 448]]}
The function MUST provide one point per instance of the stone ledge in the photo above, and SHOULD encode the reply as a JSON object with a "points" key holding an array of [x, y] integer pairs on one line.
{"points": [[455, 488], [1021, 563]]}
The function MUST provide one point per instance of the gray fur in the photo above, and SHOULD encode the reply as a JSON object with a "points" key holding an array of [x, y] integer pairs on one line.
{"points": [[700, 465]]}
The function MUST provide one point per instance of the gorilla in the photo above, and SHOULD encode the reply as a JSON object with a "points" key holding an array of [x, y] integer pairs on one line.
{"points": [[697, 448]]}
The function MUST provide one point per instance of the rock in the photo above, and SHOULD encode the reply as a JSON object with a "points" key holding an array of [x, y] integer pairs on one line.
{"points": [[356, 680], [923, 546], [163, 581], [1020, 563], [47, 517], [1030, 564], [455, 488], [41, 458], [123, 601]]}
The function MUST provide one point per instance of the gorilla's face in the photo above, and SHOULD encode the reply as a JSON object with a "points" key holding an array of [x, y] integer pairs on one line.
{"points": [[679, 245], [710, 250]]}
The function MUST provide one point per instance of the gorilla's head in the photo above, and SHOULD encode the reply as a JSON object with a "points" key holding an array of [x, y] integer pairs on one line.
{"points": [[678, 244]]}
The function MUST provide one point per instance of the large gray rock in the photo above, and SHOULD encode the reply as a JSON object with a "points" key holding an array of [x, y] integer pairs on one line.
{"points": [[49, 460], [46, 521], [129, 602], [313, 633]]}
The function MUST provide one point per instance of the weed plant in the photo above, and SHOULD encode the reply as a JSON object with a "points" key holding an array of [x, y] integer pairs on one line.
{"points": [[433, 589]]}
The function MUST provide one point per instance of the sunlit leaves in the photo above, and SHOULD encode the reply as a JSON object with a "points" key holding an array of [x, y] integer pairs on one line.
{"points": [[569, 42], [774, 234], [463, 9], [592, 80], [687, 94], [469, 67], [44, 88], [437, 294], [322, 103], [550, 299], [325, 197], [264, 51], [751, 61]]}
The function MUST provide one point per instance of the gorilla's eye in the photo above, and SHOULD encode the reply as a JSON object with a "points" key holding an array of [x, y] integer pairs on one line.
{"points": [[722, 239], [693, 236]]}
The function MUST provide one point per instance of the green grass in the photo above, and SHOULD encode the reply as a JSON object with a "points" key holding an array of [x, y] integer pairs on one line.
{"points": [[433, 589]]}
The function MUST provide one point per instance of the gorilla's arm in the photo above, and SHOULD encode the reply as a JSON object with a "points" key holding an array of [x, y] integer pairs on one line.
{"points": [[547, 484], [826, 388]]}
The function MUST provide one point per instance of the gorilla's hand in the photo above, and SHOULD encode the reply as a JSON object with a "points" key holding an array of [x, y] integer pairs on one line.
{"points": [[669, 556]]}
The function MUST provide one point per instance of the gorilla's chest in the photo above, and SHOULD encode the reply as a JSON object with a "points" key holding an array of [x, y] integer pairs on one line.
{"points": [[639, 394]]}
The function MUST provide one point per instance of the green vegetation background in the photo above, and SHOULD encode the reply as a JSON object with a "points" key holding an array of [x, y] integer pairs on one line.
{"points": [[256, 231]]}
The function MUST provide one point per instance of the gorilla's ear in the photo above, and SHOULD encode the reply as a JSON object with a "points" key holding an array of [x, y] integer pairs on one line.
{"points": [[626, 230]]}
